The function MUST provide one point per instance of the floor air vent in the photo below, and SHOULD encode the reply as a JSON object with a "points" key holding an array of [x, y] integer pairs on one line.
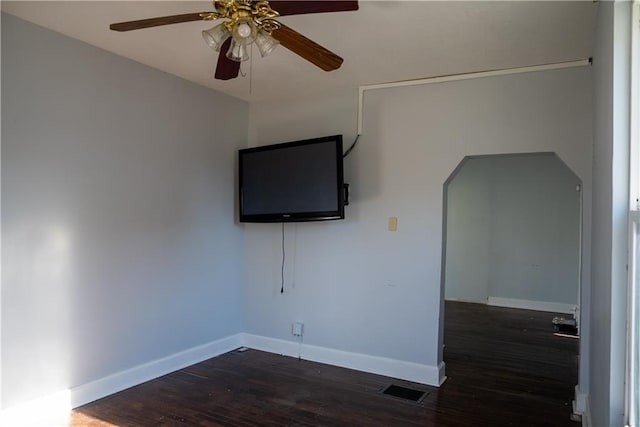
{"points": [[404, 393]]}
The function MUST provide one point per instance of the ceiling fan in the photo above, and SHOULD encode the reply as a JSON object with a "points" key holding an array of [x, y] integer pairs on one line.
{"points": [[250, 21]]}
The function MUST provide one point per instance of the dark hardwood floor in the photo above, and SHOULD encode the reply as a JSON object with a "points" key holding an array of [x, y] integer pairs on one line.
{"points": [[504, 367]]}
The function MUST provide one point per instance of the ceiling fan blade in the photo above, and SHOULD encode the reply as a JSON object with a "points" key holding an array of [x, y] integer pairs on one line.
{"points": [[306, 48], [156, 22], [226, 68], [299, 7]]}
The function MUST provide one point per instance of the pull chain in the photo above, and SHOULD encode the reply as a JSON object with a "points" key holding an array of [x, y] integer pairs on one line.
{"points": [[251, 70]]}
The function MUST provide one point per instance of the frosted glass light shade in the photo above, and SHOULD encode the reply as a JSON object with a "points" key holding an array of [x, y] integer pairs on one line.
{"points": [[244, 32], [238, 51], [265, 42], [216, 36]]}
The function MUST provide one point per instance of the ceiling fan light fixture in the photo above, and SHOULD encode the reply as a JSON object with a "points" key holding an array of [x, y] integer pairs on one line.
{"points": [[238, 52], [214, 37], [249, 21], [265, 42]]}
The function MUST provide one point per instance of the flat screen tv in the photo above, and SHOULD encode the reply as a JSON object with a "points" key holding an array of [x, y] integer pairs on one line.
{"points": [[292, 182]]}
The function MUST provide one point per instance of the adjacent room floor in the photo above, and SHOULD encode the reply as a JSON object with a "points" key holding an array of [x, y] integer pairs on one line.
{"points": [[504, 367]]}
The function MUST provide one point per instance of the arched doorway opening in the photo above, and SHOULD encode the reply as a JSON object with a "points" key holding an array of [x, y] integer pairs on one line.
{"points": [[511, 264]]}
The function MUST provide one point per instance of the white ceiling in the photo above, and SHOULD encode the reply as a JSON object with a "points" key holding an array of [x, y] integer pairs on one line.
{"points": [[384, 41]]}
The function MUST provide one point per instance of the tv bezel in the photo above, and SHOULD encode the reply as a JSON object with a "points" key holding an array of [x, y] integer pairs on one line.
{"points": [[295, 216]]}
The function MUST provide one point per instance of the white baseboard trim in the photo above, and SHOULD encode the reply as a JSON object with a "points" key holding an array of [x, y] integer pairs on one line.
{"points": [[484, 301], [94, 390], [55, 408], [586, 416], [555, 307], [410, 371], [580, 402]]}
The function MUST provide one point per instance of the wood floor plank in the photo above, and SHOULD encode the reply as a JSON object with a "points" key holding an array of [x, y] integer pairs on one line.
{"points": [[504, 367]]}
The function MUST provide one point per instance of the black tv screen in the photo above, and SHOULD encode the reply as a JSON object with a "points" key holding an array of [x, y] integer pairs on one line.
{"points": [[291, 182]]}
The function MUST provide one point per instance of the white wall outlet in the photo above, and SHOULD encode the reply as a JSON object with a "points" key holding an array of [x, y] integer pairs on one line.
{"points": [[297, 329]]}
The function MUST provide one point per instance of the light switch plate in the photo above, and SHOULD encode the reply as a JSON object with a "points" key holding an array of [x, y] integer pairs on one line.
{"points": [[393, 223]]}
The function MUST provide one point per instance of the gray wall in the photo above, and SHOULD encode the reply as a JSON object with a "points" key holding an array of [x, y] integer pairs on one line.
{"points": [[610, 213], [513, 225], [359, 287], [118, 233], [468, 240]]}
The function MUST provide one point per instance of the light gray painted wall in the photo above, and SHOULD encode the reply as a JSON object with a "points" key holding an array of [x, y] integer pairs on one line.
{"points": [[357, 286], [468, 240], [545, 220], [119, 240], [514, 228], [600, 324], [610, 213]]}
